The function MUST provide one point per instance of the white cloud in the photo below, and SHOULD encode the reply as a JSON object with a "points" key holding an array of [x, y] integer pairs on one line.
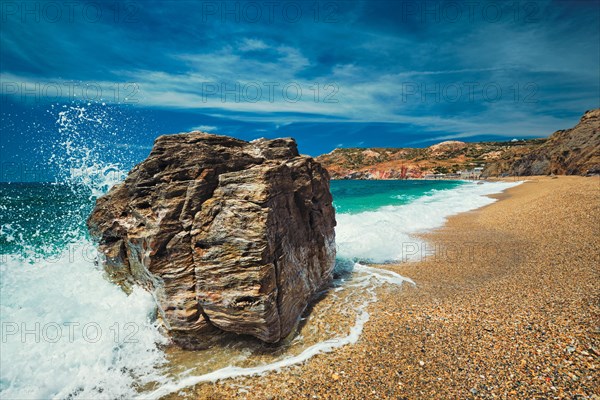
{"points": [[358, 103], [252, 44], [204, 128]]}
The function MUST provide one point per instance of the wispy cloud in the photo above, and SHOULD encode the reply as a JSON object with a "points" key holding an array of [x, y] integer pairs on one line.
{"points": [[454, 79], [249, 44], [204, 128]]}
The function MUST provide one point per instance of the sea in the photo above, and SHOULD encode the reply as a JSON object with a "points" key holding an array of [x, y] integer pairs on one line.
{"points": [[68, 333]]}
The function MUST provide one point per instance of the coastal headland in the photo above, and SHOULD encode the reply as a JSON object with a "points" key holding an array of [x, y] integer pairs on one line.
{"points": [[573, 151]]}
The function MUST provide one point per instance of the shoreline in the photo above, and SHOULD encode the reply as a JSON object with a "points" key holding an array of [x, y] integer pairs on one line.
{"points": [[480, 322]]}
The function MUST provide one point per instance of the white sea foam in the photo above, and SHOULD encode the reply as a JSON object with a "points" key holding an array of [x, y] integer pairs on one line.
{"points": [[387, 234], [67, 331], [71, 333], [71, 289], [382, 275], [325, 346]]}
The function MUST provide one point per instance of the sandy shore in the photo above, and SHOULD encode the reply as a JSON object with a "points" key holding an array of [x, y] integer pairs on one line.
{"points": [[509, 307]]}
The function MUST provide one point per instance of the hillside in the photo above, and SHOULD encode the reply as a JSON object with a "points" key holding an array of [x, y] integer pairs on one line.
{"points": [[449, 157], [571, 151]]}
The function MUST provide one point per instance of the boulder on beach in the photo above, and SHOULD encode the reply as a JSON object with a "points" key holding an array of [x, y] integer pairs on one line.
{"points": [[229, 235]]}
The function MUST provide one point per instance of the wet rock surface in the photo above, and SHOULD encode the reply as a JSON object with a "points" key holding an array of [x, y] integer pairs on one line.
{"points": [[230, 236]]}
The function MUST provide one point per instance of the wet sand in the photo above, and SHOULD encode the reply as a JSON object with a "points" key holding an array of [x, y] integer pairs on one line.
{"points": [[508, 307]]}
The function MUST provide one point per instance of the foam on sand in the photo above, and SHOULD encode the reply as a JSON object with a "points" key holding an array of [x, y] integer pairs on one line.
{"points": [[365, 278]]}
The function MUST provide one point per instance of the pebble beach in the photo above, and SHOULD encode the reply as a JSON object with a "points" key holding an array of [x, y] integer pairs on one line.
{"points": [[506, 305]]}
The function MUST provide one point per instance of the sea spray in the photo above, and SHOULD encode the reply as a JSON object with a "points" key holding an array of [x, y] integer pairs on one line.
{"points": [[66, 331], [89, 153], [40, 220], [79, 293]]}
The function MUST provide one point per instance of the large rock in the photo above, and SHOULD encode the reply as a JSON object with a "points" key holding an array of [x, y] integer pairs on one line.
{"points": [[229, 235]]}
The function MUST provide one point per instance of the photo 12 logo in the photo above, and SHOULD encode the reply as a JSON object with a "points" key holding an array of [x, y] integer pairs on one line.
{"points": [[73, 253], [435, 11], [254, 92], [54, 12], [469, 92], [268, 12], [54, 332], [23, 172], [461, 252], [36, 92]]}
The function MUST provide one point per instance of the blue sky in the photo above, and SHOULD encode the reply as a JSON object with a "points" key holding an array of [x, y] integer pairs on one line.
{"points": [[330, 74]]}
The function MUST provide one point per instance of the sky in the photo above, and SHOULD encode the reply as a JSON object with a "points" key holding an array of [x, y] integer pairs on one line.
{"points": [[328, 73]]}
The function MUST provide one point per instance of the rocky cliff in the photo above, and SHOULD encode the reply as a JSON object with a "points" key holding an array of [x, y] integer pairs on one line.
{"points": [[573, 151], [230, 236], [442, 158]]}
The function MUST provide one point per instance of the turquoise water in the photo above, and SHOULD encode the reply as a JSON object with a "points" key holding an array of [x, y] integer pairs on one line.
{"points": [[42, 218], [364, 195], [49, 279]]}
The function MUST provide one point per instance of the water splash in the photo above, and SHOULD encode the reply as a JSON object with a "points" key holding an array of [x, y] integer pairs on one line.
{"points": [[66, 330], [84, 148], [85, 157], [69, 288]]}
